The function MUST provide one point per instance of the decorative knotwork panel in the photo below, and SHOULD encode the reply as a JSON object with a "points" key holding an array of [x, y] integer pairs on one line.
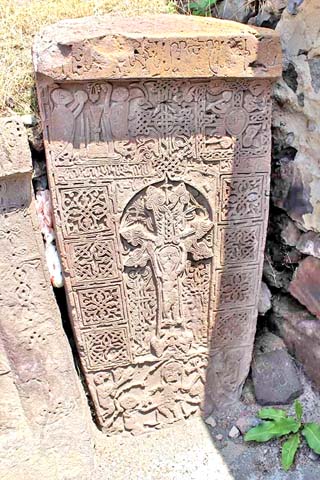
{"points": [[160, 189]]}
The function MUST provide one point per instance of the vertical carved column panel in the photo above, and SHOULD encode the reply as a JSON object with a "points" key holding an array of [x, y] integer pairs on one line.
{"points": [[41, 395], [159, 171]]}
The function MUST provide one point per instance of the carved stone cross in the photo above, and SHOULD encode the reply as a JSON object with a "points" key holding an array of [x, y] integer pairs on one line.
{"points": [[157, 134]]}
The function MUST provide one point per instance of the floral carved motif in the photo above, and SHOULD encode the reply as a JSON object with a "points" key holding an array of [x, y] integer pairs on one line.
{"points": [[238, 244], [101, 306], [86, 211]]}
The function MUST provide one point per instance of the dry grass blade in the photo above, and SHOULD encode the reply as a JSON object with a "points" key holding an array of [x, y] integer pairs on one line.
{"points": [[20, 20]]}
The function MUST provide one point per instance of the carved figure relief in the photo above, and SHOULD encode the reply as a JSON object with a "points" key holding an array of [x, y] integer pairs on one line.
{"points": [[163, 227], [159, 188]]}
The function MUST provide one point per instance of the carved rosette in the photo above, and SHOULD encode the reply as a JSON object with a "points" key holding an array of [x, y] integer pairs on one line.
{"points": [[160, 194]]}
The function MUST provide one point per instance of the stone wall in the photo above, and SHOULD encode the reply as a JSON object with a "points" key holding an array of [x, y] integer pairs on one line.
{"points": [[296, 188], [292, 257]]}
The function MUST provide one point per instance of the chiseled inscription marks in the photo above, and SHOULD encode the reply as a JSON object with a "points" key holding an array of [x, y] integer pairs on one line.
{"points": [[165, 58], [85, 210], [164, 229], [148, 128], [141, 397], [14, 156]]}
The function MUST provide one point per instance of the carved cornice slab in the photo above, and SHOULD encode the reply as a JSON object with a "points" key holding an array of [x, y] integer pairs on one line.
{"points": [[169, 46]]}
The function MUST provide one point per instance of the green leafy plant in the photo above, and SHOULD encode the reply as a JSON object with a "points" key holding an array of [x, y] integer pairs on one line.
{"points": [[201, 7], [276, 424]]}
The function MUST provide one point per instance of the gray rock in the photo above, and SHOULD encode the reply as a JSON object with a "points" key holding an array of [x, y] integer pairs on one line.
{"points": [[268, 342], [264, 303], [309, 244], [290, 233], [275, 378], [219, 437], [244, 424], [234, 432]]}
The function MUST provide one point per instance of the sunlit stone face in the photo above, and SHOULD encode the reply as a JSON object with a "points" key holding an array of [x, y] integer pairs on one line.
{"points": [[159, 183]]}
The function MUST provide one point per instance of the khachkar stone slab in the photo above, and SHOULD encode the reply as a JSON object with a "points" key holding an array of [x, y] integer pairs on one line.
{"points": [[159, 172], [44, 414]]}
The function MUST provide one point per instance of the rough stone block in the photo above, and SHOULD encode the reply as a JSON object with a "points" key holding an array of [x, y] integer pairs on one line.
{"points": [[45, 420], [300, 331], [159, 171]]}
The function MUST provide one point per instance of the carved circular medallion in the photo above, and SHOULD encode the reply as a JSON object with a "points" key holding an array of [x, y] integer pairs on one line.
{"points": [[236, 121]]}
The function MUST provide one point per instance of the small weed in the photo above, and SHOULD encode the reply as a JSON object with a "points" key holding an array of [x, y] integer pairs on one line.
{"points": [[277, 424], [202, 7]]}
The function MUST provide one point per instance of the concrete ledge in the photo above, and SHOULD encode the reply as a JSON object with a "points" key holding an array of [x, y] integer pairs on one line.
{"points": [[182, 452]]}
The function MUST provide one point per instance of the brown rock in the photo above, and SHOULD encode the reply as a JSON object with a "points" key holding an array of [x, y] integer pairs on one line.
{"points": [[305, 285], [244, 424], [160, 196], [300, 331]]}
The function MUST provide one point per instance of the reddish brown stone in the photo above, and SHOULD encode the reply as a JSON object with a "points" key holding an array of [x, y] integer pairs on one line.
{"points": [[305, 285], [300, 331], [159, 172]]}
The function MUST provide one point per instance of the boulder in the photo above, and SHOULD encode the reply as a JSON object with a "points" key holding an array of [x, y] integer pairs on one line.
{"points": [[275, 378], [267, 342], [290, 233]]}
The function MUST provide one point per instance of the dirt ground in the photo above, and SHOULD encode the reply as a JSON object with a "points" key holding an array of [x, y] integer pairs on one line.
{"points": [[254, 461]]}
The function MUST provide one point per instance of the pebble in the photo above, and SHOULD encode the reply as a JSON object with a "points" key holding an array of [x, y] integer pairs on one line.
{"points": [[313, 456], [244, 424], [28, 120], [211, 421], [219, 437], [234, 432]]}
